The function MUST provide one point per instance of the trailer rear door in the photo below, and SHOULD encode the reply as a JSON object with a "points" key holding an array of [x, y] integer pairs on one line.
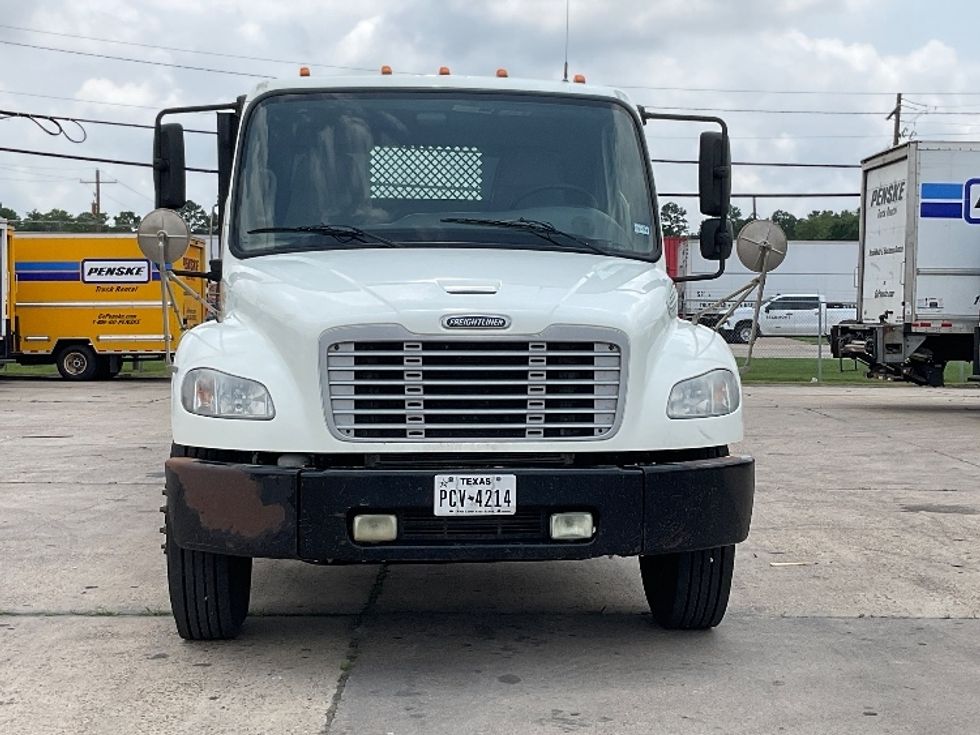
{"points": [[883, 237]]}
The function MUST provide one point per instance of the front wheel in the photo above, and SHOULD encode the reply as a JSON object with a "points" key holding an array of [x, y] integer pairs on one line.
{"points": [[689, 590], [209, 593]]}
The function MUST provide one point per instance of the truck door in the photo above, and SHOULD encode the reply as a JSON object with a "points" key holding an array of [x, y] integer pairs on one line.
{"points": [[806, 316], [776, 315]]}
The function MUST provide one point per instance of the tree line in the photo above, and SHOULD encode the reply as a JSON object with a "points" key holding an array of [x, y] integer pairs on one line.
{"points": [[61, 220], [818, 225]]}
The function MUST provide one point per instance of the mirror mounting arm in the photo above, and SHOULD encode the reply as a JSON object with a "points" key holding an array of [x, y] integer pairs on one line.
{"points": [[702, 276], [207, 275]]}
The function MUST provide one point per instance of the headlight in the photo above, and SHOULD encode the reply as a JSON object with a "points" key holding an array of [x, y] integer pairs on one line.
{"points": [[713, 394], [220, 395]]}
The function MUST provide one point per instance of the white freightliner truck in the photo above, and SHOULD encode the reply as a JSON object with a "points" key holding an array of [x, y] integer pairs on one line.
{"points": [[447, 334], [919, 263]]}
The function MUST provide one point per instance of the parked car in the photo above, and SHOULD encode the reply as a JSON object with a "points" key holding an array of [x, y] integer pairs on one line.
{"points": [[788, 315]]}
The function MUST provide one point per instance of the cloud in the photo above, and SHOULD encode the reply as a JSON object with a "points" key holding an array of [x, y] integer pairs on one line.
{"points": [[653, 47]]}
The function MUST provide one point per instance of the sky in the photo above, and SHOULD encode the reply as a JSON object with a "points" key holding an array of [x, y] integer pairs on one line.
{"points": [[773, 69]]}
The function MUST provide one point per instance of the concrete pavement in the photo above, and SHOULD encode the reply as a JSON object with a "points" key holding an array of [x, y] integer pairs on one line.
{"points": [[855, 606]]}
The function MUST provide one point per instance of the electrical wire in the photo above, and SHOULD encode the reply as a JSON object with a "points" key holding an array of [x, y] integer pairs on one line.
{"points": [[771, 164], [57, 130], [177, 49], [73, 99], [186, 67], [94, 159], [91, 121]]}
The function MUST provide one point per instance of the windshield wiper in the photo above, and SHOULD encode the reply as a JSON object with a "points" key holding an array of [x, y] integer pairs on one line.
{"points": [[544, 230], [343, 233]]}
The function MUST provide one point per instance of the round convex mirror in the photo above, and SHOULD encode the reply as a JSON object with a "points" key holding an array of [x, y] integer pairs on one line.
{"points": [[761, 245], [163, 228]]}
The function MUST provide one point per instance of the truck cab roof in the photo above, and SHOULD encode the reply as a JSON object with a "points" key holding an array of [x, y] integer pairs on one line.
{"points": [[442, 81]]}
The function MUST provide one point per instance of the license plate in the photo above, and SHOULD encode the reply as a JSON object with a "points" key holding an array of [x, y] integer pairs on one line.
{"points": [[475, 495]]}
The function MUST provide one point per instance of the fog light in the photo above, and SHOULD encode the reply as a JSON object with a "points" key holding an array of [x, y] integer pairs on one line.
{"points": [[375, 529], [575, 526]]}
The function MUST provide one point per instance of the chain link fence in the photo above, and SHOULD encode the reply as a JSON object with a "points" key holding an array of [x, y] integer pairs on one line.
{"points": [[792, 337]]}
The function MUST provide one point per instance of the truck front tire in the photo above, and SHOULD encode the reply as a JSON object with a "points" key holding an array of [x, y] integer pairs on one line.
{"points": [[209, 593], [689, 590]]}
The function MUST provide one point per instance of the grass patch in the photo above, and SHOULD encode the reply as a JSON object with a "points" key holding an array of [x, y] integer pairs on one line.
{"points": [[804, 370], [148, 369]]}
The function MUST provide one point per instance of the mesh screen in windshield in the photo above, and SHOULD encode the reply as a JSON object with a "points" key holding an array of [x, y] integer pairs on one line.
{"points": [[426, 172]]}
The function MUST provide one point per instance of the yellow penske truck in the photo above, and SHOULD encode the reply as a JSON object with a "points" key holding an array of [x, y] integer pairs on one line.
{"points": [[87, 302]]}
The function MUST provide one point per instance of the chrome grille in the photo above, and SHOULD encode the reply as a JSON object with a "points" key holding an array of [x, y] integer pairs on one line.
{"points": [[438, 389]]}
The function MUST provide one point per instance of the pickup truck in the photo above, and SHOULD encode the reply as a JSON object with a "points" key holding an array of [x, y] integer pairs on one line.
{"points": [[787, 315]]}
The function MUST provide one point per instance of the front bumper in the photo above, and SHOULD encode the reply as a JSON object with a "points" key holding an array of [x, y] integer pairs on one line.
{"points": [[263, 511]]}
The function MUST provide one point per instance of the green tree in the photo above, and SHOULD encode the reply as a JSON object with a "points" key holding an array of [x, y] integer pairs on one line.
{"points": [[126, 221], [196, 217], [8, 214], [786, 221], [737, 219], [828, 225], [673, 219], [54, 220], [89, 222]]}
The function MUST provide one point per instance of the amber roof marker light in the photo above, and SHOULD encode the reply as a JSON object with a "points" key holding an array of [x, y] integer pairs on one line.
{"points": [[386, 70], [304, 71], [579, 79], [444, 71], [502, 73]]}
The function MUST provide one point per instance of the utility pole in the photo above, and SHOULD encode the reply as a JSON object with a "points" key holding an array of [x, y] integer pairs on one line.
{"points": [[897, 114], [97, 211]]}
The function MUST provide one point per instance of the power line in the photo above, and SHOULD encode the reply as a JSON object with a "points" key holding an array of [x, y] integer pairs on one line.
{"points": [[73, 99], [770, 195], [846, 93], [56, 129], [186, 67], [769, 111], [187, 50], [771, 164], [116, 123], [245, 57], [94, 159]]}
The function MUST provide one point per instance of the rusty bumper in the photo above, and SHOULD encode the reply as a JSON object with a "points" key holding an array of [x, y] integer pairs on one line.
{"points": [[263, 511]]}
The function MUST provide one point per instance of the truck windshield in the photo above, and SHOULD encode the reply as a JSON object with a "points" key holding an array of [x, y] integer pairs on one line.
{"points": [[444, 169]]}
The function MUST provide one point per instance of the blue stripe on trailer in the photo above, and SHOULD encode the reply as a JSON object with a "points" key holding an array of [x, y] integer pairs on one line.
{"points": [[942, 191], [49, 276], [41, 265], [941, 210]]}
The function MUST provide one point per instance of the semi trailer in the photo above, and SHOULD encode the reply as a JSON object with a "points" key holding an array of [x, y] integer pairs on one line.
{"points": [[919, 263]]}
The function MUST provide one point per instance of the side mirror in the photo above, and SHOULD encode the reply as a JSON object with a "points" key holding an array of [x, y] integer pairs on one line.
{"points": [[714, 174], [169, 174], [716, 239]]}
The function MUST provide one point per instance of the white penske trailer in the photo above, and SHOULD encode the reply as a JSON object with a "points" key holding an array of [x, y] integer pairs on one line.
{"points": [[447, 334], [919, 263]]}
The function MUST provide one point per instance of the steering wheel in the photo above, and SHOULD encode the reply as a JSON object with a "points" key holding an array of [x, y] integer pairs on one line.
{"points": [[590, 197]]}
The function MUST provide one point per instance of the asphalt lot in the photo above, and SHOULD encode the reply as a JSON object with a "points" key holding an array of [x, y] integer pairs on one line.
{"points": [[855, 606]]}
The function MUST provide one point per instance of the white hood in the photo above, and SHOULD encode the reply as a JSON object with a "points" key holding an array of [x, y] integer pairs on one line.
{"points": [[306, 293]]}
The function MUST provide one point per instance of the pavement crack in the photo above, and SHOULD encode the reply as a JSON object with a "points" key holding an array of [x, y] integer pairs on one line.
{"points": [[354, 648]]}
